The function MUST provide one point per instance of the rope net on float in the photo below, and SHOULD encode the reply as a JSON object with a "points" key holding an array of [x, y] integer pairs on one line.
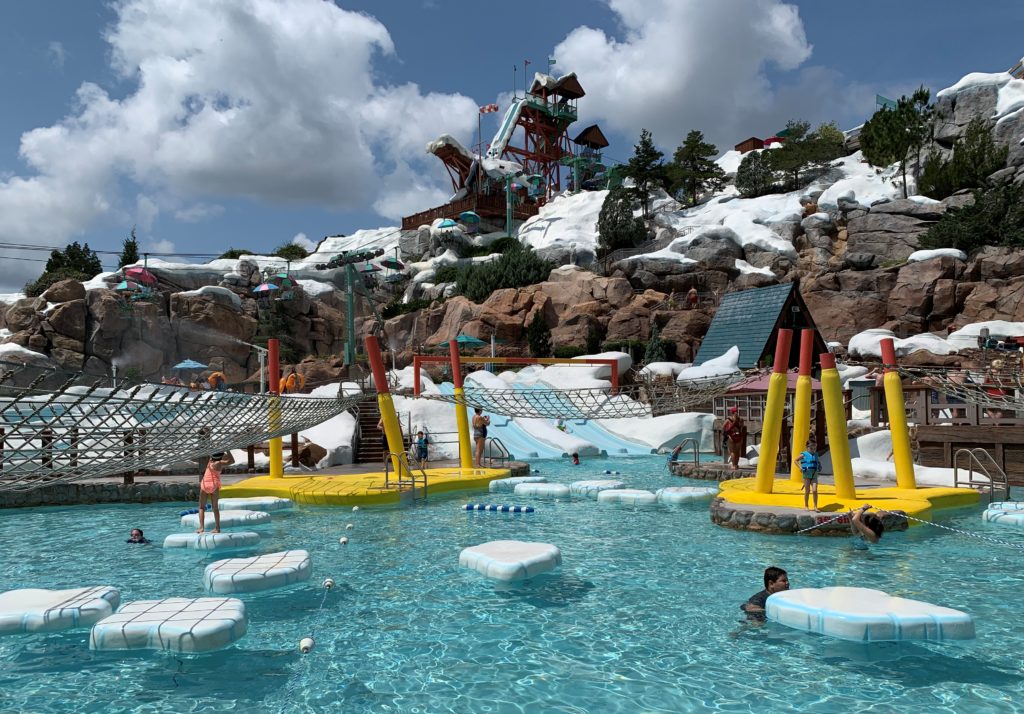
{"points": [[643, 399], [60, 427]]}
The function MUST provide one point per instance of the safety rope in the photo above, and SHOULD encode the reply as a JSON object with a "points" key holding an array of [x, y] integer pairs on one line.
{"points": [[987, 539]]}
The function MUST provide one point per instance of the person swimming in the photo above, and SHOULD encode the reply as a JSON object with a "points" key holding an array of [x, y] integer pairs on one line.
{"points": [[137, 538]]}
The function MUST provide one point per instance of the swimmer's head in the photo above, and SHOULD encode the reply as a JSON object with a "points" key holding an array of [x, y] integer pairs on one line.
{"points": [[136, 533], [217, 456], [874, 522], [775, 580]]}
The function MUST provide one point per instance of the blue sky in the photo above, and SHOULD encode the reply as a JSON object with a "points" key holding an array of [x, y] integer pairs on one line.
{"points": [[247, 122]]}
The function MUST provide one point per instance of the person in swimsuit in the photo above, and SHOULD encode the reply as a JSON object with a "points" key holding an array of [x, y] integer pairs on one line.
{"points": [[137, 538], [210, 487], [868, 526], [480, 424], [775, 581]]}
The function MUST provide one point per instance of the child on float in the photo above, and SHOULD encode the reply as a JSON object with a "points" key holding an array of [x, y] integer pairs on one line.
{"points": [[209, 487]]}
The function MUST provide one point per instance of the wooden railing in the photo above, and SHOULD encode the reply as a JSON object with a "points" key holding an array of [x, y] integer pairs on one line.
{"points": [[927, 407]]}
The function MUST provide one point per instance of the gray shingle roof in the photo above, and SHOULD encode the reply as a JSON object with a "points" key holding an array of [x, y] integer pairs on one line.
{"points": [[745, 319]]}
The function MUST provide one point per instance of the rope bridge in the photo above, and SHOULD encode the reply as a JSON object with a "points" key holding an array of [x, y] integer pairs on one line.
{"points": [[60, 427], [992, 389], [644, 399]]}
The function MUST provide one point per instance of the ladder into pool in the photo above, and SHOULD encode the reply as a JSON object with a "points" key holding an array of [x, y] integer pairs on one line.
{"points": [[405, 476], [983, 473]]}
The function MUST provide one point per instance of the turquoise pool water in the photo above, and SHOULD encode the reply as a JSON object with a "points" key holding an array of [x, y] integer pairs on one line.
{"points": [[642, 617]]}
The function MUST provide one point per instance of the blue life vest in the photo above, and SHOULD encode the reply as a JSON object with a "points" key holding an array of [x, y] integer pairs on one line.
{"points": [[809, 461]]}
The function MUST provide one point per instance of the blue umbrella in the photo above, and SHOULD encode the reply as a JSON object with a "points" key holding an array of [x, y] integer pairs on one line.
{"points": [[265, 287], [467, 341], [447, 223], [189, 364], [469, 217]]}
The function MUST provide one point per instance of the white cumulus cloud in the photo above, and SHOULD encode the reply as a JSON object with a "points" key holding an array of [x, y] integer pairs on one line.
{"points": [[302, 241], [677, 65], [274, 100]]}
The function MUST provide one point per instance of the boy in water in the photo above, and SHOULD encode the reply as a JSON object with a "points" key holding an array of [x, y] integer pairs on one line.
{"points": [[810, 465], [868, 526], [209, 487], [775, 581]]}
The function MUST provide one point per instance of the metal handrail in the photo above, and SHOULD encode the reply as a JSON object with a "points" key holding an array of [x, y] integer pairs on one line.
{"points": [[974, 461], [503, 453], [696, 449], [403, 461]]}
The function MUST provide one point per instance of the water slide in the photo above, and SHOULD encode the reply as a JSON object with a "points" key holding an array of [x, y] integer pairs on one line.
{"points": [[506, 129], [587, 430]]}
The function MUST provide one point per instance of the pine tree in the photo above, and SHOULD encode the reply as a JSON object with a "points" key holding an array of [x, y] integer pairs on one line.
{"points": [[76, 262], [538, 336], [655, 351], [129, 251], [756, 175], [693, 169], [890, 135], [617, 227], [795, 154], [647, 170], [828, 143], [995, 218]]}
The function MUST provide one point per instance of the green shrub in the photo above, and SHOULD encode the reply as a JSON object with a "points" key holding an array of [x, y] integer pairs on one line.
{"points": [[975, 157], [538, 336], [568, 351], [995, 218], [594, 337], [396, 307], [635, 348], [517, 268], [41, 284], [446, 274], [235, 253], [290, 251], [756, 175], [617, 227]]}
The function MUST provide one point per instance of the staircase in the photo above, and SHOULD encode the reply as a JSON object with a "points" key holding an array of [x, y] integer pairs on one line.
{"points": [[370, 448]]}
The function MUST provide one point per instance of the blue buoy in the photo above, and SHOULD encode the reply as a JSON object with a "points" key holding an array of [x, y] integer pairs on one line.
{"points": [[536, 471], [497, 508], [607, 471], [191, 511]]}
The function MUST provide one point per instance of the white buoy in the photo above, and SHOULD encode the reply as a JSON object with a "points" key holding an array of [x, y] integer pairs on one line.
{"points": [[306, 646], [328, 583], [355, 508], [349, 526], [343, 540]]}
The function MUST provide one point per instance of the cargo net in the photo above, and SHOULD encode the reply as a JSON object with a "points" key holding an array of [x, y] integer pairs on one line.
{"points": [[58, 427], [998, 389], [641, 399]]}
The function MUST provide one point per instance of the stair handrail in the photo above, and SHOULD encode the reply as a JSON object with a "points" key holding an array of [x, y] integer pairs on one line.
{"points": [[975, 458], [403, 464], [503, 453], [696, 449]]}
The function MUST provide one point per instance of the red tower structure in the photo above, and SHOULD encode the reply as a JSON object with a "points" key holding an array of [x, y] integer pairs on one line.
{"points": [[534, 133]]}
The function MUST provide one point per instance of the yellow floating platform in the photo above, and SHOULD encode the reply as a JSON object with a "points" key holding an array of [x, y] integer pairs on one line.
{"points": [[918, 502], [362, 489]]}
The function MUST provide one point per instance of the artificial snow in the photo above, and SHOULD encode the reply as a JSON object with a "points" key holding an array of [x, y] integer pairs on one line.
{"points": [[868, 343], [566, 220], [967, 336], [216, 290], [746, 268], [922, 255], [666, 431], [663, 369], [721, 366]]}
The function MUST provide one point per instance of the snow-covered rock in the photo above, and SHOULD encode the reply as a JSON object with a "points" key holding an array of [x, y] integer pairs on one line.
{"points": [[721, 366], [868, 343], [922, 255], [967, 336]]}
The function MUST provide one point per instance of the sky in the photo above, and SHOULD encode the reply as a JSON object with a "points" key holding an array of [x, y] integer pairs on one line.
{"points": [[255, 123]]}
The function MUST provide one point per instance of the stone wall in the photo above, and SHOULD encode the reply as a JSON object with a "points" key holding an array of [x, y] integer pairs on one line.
{"points": [[77, 494], [790, 522]]}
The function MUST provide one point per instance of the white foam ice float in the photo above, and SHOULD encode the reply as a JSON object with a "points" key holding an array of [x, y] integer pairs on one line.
{"points": [[683, 494], [627, 496], [866, 615], [268, 504], [228, 519], [212, 541], [593, 487], [174, 624], [264, 572], [509, 484], [40, 610], [509, 560], [1005, 513], [545, 490]]}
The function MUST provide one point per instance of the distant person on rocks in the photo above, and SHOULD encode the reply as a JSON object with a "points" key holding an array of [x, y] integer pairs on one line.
{"points": [[692, 299], [217, 381], [294, 382], [775, 581], [136, 537]]}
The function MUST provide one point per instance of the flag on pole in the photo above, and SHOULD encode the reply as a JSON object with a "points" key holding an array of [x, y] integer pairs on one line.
{"points": [[488, 108], [551, 62], [526, 63]]}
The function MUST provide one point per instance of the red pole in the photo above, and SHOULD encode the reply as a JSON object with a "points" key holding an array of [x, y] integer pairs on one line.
{"points": [[888, 354], [806, 351], [416, 375], [827, 360], [453, 350], [782, 345], [380, 374]]}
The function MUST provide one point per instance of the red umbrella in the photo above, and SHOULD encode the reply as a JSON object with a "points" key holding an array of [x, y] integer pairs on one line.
{"points": [[141, 275]]}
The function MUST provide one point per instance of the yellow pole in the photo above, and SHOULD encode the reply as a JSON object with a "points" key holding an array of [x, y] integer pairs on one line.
{"points": [[461, 415], [392, 429], [896, 406], [274, 409], [835, 420], [771, 427], [802, 403]]}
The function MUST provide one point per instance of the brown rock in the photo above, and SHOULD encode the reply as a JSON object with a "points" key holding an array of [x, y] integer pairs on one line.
{"points": [[991, 262], [911, 297], [311, 454], [629, 324], [457, 312], [68, 318], [64, 291], [684, 324], [38, 342], [24, 314], [67, 359]]}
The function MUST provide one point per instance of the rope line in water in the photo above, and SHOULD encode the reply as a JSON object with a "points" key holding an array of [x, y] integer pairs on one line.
{"points": [[987, 539]]}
